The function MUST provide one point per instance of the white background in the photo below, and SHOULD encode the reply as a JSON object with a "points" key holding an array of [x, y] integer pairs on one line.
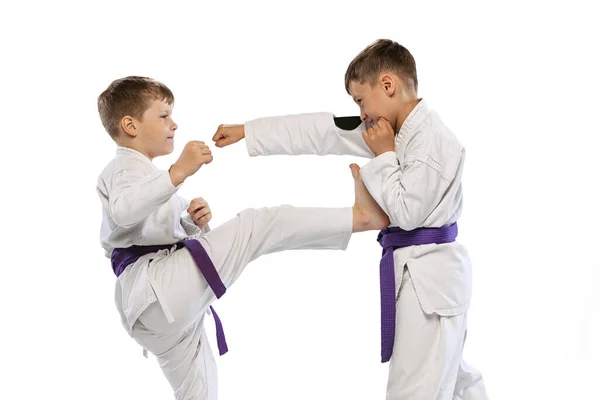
{"points": [[517, 83]]}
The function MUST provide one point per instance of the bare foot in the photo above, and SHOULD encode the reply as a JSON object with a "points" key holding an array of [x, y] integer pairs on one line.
{"points": [[367, 213]]}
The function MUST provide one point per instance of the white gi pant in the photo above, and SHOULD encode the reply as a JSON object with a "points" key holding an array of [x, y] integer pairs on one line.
{"points": [[163, 297], [426, 362]]}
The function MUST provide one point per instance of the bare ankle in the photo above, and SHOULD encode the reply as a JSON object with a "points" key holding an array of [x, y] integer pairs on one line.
{"points": [[360, 220]]}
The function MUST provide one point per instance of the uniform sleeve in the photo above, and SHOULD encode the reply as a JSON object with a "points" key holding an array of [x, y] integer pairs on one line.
{"points": [[135, 194], [191, 229], [408, 195], [315, 133]]}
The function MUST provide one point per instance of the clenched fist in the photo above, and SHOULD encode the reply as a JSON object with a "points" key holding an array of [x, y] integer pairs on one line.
{"points": [[380, 137], [200, 212], [228, 134], [194, 155]]}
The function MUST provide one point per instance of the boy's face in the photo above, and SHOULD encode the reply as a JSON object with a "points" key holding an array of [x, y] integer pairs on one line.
{"points": [[156, 130], [374, 102]]}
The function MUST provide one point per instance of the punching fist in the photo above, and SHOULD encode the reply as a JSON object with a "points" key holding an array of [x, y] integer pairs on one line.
{"points": [[194, 155], [228, 134]]}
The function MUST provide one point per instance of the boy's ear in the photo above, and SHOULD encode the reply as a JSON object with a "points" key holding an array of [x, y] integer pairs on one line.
{"points": [[388, 83], [128, 126]]}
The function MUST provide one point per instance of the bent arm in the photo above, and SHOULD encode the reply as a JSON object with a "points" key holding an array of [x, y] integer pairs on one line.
{"points": [[135, 195]]}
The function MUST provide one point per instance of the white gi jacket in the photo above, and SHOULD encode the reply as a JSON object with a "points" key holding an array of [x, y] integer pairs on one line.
{"points": [[140, 207], [418, 186]]}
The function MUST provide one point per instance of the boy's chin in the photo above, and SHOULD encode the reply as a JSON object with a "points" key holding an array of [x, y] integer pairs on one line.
{"points": [[167, 151]]}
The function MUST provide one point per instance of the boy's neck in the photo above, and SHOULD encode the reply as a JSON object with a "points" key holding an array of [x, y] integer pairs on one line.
{"points": [[130, 145], [406, 107]]}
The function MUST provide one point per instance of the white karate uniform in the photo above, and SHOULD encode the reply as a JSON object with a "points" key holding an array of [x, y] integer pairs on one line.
{"points": [[417, 186], [163, 297]]}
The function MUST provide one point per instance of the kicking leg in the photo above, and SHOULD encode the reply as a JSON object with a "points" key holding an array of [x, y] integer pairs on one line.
{"points": [[255, 232], [252, 233]]}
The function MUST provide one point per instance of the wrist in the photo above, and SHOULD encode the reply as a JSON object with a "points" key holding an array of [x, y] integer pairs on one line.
{"points": [[382, 151], [177, 175]]}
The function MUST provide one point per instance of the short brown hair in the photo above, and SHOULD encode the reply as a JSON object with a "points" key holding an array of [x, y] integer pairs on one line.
{"points": [[383, 55], [129, 96]]}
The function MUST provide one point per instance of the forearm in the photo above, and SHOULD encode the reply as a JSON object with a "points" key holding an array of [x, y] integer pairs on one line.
{"points": [[315, 133]]}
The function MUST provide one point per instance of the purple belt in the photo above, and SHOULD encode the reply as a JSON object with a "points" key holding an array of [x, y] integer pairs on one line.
{"points": [[391, 239], [122, 257]]}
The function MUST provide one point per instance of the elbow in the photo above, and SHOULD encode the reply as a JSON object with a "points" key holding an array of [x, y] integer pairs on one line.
{"points": [[407, 225], [122, 220], [407, 219], [121, 216]]}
